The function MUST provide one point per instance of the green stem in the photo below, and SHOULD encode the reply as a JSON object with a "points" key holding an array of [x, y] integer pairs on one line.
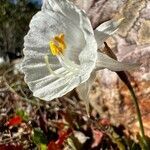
{"points": [[126, 81]]}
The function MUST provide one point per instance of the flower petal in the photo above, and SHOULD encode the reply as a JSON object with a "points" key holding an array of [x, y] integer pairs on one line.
{"points": [[64, 7], [105, 61], [80, 20], [43, 84], [46, 86], [58, 17], [105, 30], [84, 89], [43, 27]]}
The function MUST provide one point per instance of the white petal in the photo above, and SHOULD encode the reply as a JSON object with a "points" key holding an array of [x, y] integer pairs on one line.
{"points": [[64, 7], [43, 27], [44, 85], [50, 89], [84, 89], [58, 17], [105, 61], [80, 20], [105, 30]]}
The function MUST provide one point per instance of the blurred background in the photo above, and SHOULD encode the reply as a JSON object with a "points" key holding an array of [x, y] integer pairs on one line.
{"points": [[15, 16]]}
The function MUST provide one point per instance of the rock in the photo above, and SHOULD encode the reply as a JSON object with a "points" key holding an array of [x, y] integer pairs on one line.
{"points": [[109, 96]]}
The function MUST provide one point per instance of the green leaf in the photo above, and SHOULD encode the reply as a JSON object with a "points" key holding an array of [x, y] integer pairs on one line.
{"points": [[131, 144], [22, 114], [145, 145], [43, 147], [39, 137], [117, 139], [71, 144]]}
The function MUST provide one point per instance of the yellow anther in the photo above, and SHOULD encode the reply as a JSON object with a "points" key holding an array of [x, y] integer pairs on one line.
{"points": [[62, 36], [57, 45], [60, 40], [56, 50]]}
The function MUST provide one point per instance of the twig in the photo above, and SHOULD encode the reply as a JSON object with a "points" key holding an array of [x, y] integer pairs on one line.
{"points": [[12, 90]]}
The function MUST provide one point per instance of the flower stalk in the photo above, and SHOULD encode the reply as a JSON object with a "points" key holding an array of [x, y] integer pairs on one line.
{"points": [[122, 75]]}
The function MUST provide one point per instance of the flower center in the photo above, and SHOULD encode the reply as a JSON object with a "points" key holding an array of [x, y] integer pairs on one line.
{"points": [[57, 47], [57, 44]]}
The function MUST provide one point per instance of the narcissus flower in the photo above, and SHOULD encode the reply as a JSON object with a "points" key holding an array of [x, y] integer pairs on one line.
{"points": [[61, 50]]}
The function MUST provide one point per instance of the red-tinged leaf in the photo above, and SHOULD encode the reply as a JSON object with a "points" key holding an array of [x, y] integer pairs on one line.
{"points": [[11, 147], [53, 146], [60, 125], [14, 121], [104, 122], [63, 135], [97, 136]]}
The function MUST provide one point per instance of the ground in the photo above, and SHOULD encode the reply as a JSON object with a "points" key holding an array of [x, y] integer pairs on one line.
{"points": [[29, 123]]}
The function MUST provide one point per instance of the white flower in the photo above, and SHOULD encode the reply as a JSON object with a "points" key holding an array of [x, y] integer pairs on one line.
{"points": [[61, 50]]}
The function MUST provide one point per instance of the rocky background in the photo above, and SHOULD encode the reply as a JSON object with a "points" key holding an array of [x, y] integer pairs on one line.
{"points": [[131, 43]]}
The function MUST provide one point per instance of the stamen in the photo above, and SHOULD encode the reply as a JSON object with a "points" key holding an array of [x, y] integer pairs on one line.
{"points": [[57, 45], [57, 48], [66, 74], [61, 41], [50, 69], [54, 48], [69, 65]]}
